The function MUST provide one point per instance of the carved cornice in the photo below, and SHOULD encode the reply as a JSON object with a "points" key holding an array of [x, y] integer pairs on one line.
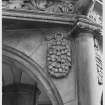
{"points": [[38, 16], [52, 11], [57, 11], [61, 11]]}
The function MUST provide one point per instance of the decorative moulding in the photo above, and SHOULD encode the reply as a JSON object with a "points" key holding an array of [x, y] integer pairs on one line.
{"points": [[52, 11], [58, 55], [98, 57], [38, 16]]}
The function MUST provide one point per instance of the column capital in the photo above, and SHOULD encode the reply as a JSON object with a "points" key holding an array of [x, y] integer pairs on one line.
{"points": [[86, 26]]}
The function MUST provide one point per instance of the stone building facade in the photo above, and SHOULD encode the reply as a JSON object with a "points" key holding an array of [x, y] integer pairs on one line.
{"points": [[58, 44]]}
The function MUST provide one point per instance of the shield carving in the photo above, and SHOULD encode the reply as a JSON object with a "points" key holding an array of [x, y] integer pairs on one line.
{"points": [[58, 55]]}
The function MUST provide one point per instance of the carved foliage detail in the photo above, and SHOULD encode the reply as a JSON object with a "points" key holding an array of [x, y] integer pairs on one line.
{"points": [[58, 56], [99, 63], [95, 12], [50, 6]]}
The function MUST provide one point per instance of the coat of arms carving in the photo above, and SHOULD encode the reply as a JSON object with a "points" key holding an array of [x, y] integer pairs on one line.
{"points": [[58, 56]]}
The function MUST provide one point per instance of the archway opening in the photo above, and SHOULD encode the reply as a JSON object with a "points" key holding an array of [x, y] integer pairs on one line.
{"points": [[20, 71], [19, 88]]}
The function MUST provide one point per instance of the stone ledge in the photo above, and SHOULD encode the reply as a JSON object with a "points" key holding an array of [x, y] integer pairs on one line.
{"points": [[38, 16]]}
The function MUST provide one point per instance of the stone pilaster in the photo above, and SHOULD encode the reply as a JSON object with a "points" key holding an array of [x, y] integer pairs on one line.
{"points": [[86, 69]]}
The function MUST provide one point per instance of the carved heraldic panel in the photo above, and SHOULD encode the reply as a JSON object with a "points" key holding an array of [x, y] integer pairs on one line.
{"points": [[58, 55]]}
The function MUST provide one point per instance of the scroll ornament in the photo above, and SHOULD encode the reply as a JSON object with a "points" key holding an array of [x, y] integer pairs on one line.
{"points": [[58, 56]]}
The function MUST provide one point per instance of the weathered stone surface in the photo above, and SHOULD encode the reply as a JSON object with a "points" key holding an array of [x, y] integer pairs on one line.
{"points": [[38, 53], [63, 84]]}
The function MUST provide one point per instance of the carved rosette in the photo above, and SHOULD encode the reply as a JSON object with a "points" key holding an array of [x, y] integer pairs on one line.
{"points": [[98, 63], [58, 56]]}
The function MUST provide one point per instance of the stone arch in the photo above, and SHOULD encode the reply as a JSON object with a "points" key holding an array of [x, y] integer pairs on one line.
{"points": [[35, 71]]}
